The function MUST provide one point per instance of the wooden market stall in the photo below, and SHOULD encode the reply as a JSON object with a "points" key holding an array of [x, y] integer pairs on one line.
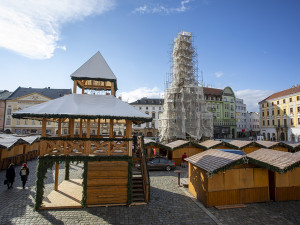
{"points": [[177, 148], [154, 148], [17, 150], [107, 158], [284, 172], [245, 146], [214, 144], [218, 178]]}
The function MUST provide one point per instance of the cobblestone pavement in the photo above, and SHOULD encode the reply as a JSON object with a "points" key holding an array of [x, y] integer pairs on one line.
{"points": [[168, 205]]}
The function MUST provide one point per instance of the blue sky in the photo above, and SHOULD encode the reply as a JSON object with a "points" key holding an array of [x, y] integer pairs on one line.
{"points": [[252, 46]]}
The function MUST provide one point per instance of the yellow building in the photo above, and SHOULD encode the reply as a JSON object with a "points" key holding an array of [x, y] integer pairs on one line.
{"points": [[22, 98], [280, 115]]}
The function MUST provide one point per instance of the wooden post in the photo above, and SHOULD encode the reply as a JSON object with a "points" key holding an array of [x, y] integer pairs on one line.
{"points": [[59, 128], [88, 135], [71, 127], [129, 135], [80, 128], [98, 132], [43, 145], [75, 87], [56, 176], [113, 91], [111, 128]]}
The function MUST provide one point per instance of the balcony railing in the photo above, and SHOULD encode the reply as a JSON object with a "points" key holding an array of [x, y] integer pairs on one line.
{"points": [[85, 146]]}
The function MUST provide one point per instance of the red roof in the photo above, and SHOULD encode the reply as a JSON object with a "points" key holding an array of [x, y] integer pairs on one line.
{"points": [[289, 91], [212, 91]]}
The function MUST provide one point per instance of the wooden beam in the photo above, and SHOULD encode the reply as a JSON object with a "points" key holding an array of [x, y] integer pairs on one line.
{"points": [[129, 135], [56, 176], [80, 128], [111, 128], [98, 131], [75, 87], [71, 127], [87, 147], [59, 128], [113, 91], [44, 127]]}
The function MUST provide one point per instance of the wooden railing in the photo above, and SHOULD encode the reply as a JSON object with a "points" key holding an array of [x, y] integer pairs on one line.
{"points": [[85, 146], [145, 175]]}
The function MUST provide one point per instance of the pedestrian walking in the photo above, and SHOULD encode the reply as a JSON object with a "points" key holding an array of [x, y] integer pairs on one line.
{"points": [[24, 172], [183, 162], [10, 175]]}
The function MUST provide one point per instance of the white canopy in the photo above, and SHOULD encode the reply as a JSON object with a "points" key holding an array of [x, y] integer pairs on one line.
{"points": [[86, 107]]}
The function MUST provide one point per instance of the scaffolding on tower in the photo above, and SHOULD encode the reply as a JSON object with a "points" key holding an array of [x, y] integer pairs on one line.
{"points": [[185, 115]]}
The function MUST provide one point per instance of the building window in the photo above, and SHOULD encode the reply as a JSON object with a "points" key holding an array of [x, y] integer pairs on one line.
{"points": [[8, 121], [9, 111], [146, 107], [272, 112], [283, 101], [263, 113], [284, 122], [273, 122], [231, 107], [284, 111], [263, 123], [278, 123], [159, 108], [18, 121], [153, 115], [268, 113], [140, 108], [268, 122], [33, 122], [26, 121], [291, 110], [298, 120], [291, 99], [298, 109], [278, 112], [277, 102], [292, 122], [298, 98]]}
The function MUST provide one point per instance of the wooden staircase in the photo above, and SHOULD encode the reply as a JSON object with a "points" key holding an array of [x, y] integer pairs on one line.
{"points": [[140, 182]]}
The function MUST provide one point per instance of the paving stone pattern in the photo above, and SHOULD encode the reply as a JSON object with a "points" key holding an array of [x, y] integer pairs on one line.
{"points": [[168, 205]]}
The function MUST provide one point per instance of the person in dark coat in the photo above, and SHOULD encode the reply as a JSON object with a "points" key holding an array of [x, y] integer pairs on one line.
{"points": [[24, 172], [10, 175]]}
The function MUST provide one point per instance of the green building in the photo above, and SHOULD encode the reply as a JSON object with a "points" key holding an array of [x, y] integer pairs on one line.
{"points": [[222, 104]]}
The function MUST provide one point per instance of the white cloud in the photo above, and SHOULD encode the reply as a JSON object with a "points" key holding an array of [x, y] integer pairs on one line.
{"points": [[157, 8], [141, 92], [219, 74], [32, 27], [253, 97]]}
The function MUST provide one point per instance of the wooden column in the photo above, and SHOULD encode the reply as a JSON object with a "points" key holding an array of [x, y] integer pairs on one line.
{"points": [[80, 128], [113, 91], [98, 131], [59, 128], [56, 176], [129, 135], [71, 127], [111, 128], [43, 145], [87, 148], [75, 87]]}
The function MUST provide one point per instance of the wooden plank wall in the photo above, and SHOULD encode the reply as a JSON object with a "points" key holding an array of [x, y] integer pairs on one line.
{"points": [[281, 148], [198, 183], [287, 185], [250, 149], [189, 150], [107, 182]]}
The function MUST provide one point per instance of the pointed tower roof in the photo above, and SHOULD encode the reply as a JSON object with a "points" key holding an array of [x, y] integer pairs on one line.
{"points": [[96, 68]]}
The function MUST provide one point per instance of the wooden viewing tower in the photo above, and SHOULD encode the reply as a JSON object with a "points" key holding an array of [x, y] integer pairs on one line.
{"points": [[107, 158]]}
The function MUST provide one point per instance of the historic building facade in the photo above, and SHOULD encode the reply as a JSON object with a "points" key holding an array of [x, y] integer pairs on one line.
{"points": [[152, 107], [3, 96], [24, 97], [221, 102], [252, 124], [241, 111], [280, 115]]}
